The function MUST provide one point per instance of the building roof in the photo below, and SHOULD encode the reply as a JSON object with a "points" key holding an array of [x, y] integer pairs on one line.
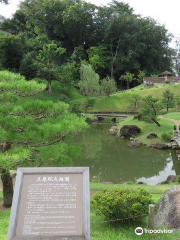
{"points": [[166, 73]]}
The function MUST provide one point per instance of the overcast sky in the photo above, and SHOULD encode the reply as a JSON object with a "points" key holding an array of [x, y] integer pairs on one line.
{"points": [[165, 11]]}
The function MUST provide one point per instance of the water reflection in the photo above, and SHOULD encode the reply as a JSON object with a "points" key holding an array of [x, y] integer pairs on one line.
{"points": [[111, 160], [162, 174]]}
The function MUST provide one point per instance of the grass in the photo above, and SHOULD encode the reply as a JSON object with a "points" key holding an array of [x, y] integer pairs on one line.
{"points": [[109, 231], [116, 102], [122, 101], [175, 115], [147, 128]]}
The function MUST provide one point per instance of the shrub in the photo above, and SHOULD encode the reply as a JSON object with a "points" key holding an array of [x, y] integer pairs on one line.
{"points": [[178, 178], [166, 136], [64, 98], [122, 204]]}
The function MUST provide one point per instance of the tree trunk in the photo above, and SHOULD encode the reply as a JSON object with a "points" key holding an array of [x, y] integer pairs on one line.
{"points": [[155, 121], [49, 89], [7, 188]]}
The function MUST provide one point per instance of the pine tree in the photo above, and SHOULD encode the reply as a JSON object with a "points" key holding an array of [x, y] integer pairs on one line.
{"points": [[32, 131]]}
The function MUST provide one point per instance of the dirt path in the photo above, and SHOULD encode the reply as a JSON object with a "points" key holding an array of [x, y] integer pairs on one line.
{"points": [[176, 122]]}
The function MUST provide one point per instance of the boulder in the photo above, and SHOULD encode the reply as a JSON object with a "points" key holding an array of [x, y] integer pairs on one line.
{"points": [[128, 131], [113, 130], [160, 146], [141, 183], [170, 178], [168, 209], [152, 135], [134, 143]]}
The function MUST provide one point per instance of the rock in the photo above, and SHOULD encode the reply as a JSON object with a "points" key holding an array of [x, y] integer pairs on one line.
{"points": [[113, 130], [168, 214], [152, 135], [171, 178], [141, 183], [160, 146], [128, 131], [134, 143]]}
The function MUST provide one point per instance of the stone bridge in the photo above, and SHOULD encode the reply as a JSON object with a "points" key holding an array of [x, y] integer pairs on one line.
{"points": [[176, 142]]}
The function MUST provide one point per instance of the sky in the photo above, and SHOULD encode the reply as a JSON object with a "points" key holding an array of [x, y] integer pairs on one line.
{"points": [[165, 11]]}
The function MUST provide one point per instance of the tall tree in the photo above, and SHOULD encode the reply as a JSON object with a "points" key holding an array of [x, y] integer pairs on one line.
{"points": [[46, 58], [89, 83], [136, 99], [168, 99], [108, 86], [32, 131], [128, 78]]}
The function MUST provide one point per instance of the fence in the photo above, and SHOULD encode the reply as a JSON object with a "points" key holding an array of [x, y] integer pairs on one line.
{"points": [[150, 218]]}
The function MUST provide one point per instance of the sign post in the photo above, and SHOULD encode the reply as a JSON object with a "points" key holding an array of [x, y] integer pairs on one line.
{"points": [[51, 204]]}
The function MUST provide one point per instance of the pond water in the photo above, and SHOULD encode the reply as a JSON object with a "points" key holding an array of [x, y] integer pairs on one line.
{"points": [[111, 160]]}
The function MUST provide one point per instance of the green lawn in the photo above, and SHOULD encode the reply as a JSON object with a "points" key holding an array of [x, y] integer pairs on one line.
{"points": [[122, 101], [175, 115], [116, 102], [147, 128], [109, 231]]}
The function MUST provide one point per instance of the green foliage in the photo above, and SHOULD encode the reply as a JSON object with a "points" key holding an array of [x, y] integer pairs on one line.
{"points": [[99, 57], [150, 109], [89, 83], [140, 76], [178, 178], [11, 52], [136, 99], [168, 99], [177, 101], [28, 66], [108, 86], [112, 38], [64, 98], [128, 78], [89, 104], [32, 129], [122, 203], [45, 62], [166, 136]]}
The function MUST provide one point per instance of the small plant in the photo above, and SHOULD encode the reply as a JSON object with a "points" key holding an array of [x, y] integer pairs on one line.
{"points": [[166, 136], [178, 178], [128, 204]]}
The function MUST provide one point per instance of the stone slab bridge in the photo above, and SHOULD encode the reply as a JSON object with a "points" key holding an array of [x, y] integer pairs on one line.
{"points": [[175, 142], [100, 116]]}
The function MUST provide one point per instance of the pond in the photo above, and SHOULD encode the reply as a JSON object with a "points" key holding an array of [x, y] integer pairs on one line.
{"points": [[111, 160]]}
